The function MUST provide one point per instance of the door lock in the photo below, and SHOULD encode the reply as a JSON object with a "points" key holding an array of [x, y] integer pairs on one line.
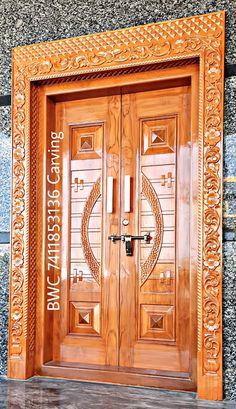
{"points": [[125, 222], [127, 239]]}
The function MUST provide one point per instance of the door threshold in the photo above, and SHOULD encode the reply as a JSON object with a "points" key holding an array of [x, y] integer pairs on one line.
{"points": [[115, 375], [110, 368]]}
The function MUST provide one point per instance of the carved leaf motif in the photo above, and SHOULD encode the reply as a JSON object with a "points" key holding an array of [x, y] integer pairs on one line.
{"points": [[90, 259], [18, 217], [212, 205], [151, 196]]}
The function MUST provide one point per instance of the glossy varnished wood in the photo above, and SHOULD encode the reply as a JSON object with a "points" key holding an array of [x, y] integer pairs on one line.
{"points": [[146, 301], [119, 319], [34, 114], [98, 344], [115, 376]]}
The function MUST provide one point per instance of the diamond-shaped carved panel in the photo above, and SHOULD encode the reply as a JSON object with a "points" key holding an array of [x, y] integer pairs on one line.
{"points": [[158, 135], [157, 322], [86, 141], [85, 318]]}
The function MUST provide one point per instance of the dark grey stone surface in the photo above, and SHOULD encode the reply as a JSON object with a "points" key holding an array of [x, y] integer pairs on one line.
{"points": [[229, 319], [230, 106], [5, 168], [45, 393], [230, 151], [30, 22], [229, 197], [229, 202], [4, 286], [5, 120]]}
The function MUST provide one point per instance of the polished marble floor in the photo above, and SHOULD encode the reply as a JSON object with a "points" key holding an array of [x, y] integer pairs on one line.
{"points": [[37, 393]]}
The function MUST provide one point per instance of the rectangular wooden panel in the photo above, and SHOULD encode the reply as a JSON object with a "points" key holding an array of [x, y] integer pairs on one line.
{"points": [[82, 328], [157, 279]]}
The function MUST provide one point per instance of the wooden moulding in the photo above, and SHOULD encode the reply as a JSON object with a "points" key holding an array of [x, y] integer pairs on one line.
{"points": [[198, 36]]}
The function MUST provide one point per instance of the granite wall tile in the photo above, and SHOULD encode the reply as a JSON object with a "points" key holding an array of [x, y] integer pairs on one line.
{"points": [[5, 168], [5, 120], [229, 272], [230, 105], [229, 319], [229, 201], [31, 22], [4, 280], [230, 148], [229, 344], [229, 383]]}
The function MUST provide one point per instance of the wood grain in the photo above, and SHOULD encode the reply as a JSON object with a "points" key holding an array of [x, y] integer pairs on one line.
{"points": [[198, 36]]}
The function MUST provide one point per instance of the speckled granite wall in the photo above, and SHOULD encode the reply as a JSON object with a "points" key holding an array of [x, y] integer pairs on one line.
{"points": [[29, 22]]}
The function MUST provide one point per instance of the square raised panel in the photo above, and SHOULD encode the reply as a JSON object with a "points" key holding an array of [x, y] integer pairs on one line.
{"points": [[87, 141], [157, 322], [158, 135], [85, 318]]}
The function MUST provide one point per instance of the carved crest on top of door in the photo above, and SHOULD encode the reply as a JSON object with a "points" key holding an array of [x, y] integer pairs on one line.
{"points": [[199, 36], [122, 47]]}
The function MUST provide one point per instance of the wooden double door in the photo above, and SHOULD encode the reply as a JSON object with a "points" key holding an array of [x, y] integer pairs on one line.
{"points": [[127, 285]]}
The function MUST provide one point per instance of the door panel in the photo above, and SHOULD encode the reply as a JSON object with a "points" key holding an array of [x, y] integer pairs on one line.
{"points": [[155, 316], [89, 328], [127, 170]]}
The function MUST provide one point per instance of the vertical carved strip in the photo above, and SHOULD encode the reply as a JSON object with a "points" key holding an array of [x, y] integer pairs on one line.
{"points": [[18, 218], [200, 195], [212, 206], [33, 222]]}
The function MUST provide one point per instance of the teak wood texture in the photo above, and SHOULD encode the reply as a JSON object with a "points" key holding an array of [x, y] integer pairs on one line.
{"points": [[135, 314], [104, 57]]}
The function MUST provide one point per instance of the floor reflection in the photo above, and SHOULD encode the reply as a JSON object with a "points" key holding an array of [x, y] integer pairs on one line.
{"points": [[64, 394]]}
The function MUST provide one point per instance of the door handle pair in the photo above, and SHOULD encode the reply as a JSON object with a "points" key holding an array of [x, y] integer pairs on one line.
{"points": [[110, 189], [127, 239]]}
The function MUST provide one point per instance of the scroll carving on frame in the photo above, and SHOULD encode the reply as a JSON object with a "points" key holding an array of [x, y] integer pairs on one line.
{"points": [[198, 36]]}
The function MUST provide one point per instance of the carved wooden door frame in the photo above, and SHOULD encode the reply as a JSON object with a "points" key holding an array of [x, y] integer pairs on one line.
{"points": [[198, 36]]}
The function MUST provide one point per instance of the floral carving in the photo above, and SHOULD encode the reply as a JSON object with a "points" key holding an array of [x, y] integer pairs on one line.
{"points": [[18, 219], [199, 36], [212, 137], [212, 208]]}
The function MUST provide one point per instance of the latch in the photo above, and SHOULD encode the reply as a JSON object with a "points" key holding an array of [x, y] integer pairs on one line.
{"points": [[127, 239]]}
